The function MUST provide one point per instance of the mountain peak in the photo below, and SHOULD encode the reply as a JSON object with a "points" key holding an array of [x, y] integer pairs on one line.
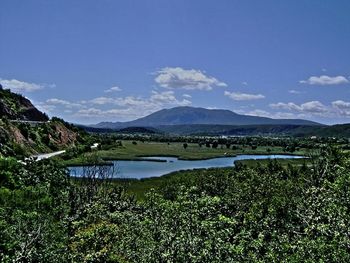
{"points": [[186, 115]]}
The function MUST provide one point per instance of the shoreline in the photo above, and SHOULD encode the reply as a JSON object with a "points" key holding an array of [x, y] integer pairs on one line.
{"points": [[109, 161]]}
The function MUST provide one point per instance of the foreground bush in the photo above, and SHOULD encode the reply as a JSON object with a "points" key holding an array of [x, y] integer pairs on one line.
{"points": [[262, 214]]}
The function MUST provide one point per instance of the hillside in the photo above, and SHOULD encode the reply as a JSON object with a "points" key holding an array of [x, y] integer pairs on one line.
{"points": [[191, 115], [24, 130], [16, 107], [25, 139]]}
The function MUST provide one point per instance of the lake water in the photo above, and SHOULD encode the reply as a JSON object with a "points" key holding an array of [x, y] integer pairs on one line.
{"points": [[149, 168]]}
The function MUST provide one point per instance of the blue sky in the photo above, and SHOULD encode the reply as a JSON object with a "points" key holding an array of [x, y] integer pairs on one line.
{"points": [[90, 61]]}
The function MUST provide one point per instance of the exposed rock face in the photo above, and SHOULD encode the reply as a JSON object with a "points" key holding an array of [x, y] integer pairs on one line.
{"points": [[66, 136], [16, 107]]}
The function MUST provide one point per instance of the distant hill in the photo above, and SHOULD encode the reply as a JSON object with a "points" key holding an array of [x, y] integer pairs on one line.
{"points": [[339, 130], [191, 115], [142, 130], [16, 107]]}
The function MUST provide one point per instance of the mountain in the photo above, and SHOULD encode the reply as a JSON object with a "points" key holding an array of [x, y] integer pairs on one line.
{"points": [[190, 116], [16, 107]]}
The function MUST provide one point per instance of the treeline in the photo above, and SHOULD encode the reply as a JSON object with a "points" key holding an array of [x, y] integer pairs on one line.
{"points": [[284, 142], [263, 214]]}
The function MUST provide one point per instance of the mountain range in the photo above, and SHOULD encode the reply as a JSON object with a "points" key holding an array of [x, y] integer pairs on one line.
{"points": [[194, 116]]}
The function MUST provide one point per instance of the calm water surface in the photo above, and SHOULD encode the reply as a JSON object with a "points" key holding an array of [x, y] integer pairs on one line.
{"points": [[148, 168]]}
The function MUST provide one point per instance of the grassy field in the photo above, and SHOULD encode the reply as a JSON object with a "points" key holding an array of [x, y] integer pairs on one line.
{"points": [[130, 151]]}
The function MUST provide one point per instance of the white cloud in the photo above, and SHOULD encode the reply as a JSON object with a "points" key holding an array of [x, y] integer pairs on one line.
{"points": [[338, 108], [45, 107], [264, 113], [112, 114], [21, 86], [243, 96], [64, 103], [102, 101], [165, 97], [131, 107], [260, 113], [186, 96], [340, 104], [325, 80], [284, 106], [244, 83], [59, 105], [313, 106], [168, 97], [190, 79], [293, 91], [113, 89], [91, 112], [342, 107], [307, 107]]}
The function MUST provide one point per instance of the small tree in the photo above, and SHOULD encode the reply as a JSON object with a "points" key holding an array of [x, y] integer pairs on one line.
{"points": [[185, 145]]}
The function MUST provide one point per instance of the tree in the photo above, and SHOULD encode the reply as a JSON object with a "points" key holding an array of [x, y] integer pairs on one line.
{"points": [[185, 145]]}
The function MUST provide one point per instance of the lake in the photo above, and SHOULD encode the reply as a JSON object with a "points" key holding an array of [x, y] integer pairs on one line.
{"points": [[156, 166]]}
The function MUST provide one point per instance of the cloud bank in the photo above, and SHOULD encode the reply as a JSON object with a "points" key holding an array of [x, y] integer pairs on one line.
{"points": [[21, 86], [238, 96], [189, 79], [325, 80]]}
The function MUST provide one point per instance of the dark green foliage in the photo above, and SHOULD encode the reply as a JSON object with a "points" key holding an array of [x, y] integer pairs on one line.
{"points": [[267, 213], [214, 145], [33, 205]]}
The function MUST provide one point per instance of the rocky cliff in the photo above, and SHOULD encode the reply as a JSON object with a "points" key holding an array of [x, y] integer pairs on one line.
{"points": [[16, 107]]}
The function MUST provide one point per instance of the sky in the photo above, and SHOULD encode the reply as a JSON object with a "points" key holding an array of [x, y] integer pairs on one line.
{"points": [[117, 60]]}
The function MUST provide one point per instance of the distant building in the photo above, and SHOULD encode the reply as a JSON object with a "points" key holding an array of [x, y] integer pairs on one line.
{"points": [[94, 146], [1, 88]]}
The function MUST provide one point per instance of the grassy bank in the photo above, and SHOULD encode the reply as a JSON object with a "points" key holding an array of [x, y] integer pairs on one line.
{"points": [[139, 188], [283, 162], [130, 151]]}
